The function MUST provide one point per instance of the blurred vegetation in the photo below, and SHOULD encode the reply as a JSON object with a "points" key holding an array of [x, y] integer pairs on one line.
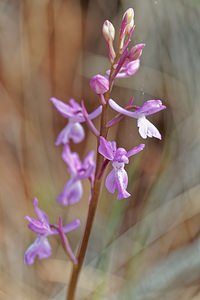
{"points": [[144, 247]]}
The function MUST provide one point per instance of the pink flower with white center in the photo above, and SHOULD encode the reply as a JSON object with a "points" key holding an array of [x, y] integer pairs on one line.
{"points": [[73, 112], [78, 170], [146, 128], [117, 178]]}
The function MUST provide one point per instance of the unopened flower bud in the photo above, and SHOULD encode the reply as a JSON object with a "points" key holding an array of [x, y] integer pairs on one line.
{"points": [[99, 84], [136, 51], [126, 28], [130, 19], [108, 31]]}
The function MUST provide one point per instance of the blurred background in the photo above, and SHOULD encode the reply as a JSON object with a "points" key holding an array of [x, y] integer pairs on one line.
{"points": [[143, 247]]}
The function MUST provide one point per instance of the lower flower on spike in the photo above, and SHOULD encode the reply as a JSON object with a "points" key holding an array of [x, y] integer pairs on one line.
{"points": [[41, 246]]}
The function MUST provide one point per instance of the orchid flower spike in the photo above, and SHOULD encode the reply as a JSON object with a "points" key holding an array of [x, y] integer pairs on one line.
{"points": [[73, 112], [78, 170], [146, 128], [41, 246], [117, 178]]}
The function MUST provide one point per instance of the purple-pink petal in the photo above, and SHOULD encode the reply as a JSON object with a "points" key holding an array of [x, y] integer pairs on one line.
{"points": [[151, 107], [121, 110], [67, 228], [148, 108], [89, 159], [135, 150], [88, 167], [76, 107], [132, 67], [121, 156], [136, 51], [86, 172], [80, 118], [89, 121], [71, 226], [123, 26], [42, 216], [74, 131], [105, 149], [63, 137], [64, 109], [71, 159], [71, 193], [77, 169], [37, 226], [40, 248], [113, 145], [128, 39], [129, 69], [77, 133], [73, 112], [110, 182]]}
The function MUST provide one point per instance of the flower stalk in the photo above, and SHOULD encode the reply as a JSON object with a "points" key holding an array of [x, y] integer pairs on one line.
{"points": [[92, 206], [124, 63]]}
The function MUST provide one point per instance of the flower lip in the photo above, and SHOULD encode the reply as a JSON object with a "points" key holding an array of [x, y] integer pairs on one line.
{"points": [[147, 129], [73, 112]]}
